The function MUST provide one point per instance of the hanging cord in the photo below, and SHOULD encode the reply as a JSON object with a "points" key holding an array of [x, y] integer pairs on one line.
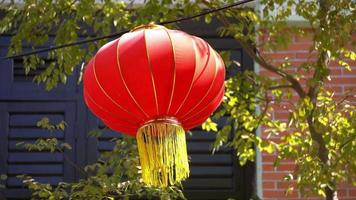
{"points": [[117, 34]]}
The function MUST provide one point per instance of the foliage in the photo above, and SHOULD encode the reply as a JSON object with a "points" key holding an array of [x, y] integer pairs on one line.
{"points": [[35, 22], [116, 174], [320, 133], [49, 144]]}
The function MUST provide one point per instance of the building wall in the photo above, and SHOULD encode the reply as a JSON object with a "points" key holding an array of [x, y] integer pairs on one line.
{"points": [[273, 186]]}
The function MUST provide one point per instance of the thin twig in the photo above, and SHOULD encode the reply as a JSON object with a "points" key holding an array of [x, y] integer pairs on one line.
{"points": [[73, 164], [256, 55], [280, 87]]}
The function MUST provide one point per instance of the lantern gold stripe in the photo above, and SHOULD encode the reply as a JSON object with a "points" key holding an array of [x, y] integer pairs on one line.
{"points": [[106, 94], [191, 84], [174, 71], [194, 81], [123, 79], [211, 85], [151, 70], [200, 111], [108, 112]]}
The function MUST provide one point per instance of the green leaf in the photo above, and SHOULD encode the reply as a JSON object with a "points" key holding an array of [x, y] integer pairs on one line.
{"points": [[3, 177], [209, 125], [66, 146], [95, 133]]}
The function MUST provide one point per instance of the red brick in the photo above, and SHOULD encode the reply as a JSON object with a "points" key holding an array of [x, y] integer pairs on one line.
{"points": [[274, 175], [336, 71], [269, 184], [268, 158], [283, 167], [349, 88], [279, 55], [299, 47], [268, 167], [285, 184], [311, 198], [347, 72], [278, 194], [281, 115], [284, 105], [286, 167], [306, 38], [307, 56], [352, 192], [343, 81], [299, 63], [342, 193], [333, 88], [334, 63]]}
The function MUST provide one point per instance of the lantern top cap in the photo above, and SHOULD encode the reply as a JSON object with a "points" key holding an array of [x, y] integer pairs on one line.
{"points": [[151, 25]]}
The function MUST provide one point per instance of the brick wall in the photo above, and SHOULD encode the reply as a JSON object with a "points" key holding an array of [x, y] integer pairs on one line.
{"points": [[273, 186]]}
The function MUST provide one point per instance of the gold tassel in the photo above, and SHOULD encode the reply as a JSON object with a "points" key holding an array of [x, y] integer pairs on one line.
{"points": [[163, 153]]}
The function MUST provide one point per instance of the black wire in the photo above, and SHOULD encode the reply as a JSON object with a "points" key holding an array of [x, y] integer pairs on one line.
{"points": [[68, 45], [206, 12], [126, 31]]}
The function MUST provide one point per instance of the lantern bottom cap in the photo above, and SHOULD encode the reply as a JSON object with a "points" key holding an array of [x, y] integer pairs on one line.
{"points": [[163, 153]]}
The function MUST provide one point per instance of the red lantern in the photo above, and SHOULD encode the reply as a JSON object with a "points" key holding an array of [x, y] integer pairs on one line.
{"points": [[154, 83]]}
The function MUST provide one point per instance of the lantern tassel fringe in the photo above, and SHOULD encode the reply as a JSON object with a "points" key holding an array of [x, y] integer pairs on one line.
{"points": [[163, 154]]}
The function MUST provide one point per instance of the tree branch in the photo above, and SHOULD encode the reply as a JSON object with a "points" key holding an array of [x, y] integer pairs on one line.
{"points": [[314, 89], [254, 53], [280, 87]]}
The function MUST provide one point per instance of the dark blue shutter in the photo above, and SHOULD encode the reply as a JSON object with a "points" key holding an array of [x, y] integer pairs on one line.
{"points": [[19, 122], [22, 104]]}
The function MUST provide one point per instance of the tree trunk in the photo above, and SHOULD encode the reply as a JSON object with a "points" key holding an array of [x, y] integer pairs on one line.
{"points": [[330, 194]]}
